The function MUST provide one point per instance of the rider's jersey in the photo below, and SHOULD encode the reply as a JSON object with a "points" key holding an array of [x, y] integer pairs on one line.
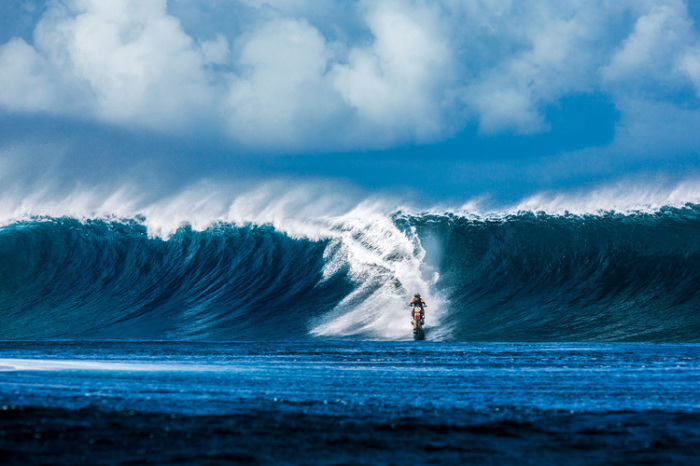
{"points": [[418, 302]]}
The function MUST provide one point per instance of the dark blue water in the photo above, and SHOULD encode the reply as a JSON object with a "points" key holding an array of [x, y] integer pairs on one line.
{"points": [[352, 401]]}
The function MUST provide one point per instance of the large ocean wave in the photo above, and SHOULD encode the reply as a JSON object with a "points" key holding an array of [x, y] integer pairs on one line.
{"points": [[518, 276], [541, 277]]}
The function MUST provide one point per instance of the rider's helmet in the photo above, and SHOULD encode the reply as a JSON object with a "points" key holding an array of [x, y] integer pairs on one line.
{"points": [[417, 295]]}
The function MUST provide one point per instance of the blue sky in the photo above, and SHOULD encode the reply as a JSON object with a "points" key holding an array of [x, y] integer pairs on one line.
{"points": [[446, 100]]}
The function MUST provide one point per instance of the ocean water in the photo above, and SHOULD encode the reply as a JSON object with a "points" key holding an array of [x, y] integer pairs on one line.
{"points": [[550, 338], [349, 402], [525, 277]]}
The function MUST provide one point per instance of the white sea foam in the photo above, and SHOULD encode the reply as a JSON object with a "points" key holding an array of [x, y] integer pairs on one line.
{"points": [[305, 210], [623, 197], [13, 365], [387, 263]]}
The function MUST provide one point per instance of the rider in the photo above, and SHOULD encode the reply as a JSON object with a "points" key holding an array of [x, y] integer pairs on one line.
{"points": [[418, 302]]}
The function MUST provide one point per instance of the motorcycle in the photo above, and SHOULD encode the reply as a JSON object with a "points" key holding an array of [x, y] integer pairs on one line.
{"points": [[418, 321]]}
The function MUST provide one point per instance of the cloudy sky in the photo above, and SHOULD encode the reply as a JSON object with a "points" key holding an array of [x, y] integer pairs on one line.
{"points": [[446, 99]]}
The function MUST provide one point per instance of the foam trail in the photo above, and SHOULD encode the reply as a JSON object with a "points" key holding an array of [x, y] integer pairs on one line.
{"points": [[53, 365], [388, 265]]}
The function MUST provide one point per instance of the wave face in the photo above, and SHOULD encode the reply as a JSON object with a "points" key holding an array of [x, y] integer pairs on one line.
{"points": [[538, 277], [520, 277], [97, 279]]}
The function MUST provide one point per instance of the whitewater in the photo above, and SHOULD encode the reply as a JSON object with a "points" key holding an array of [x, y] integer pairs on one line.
{"points": [[278, 263]]}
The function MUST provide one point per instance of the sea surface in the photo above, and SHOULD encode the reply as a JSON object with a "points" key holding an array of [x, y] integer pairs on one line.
{"points": [[281, 402], [286, 339]]}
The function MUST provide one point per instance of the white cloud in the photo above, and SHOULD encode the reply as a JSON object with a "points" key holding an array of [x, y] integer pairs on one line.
{"points": [[553, 51], [140, 64], [281, 84], [126, 61], [656, 127], [27, 83], [370, 75], [689, 65], [396, 82], [216, 52], [651, 49], [283, 5]]}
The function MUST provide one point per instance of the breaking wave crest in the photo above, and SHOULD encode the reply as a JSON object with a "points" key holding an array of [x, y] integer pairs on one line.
{"points": [[518, 277]]}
